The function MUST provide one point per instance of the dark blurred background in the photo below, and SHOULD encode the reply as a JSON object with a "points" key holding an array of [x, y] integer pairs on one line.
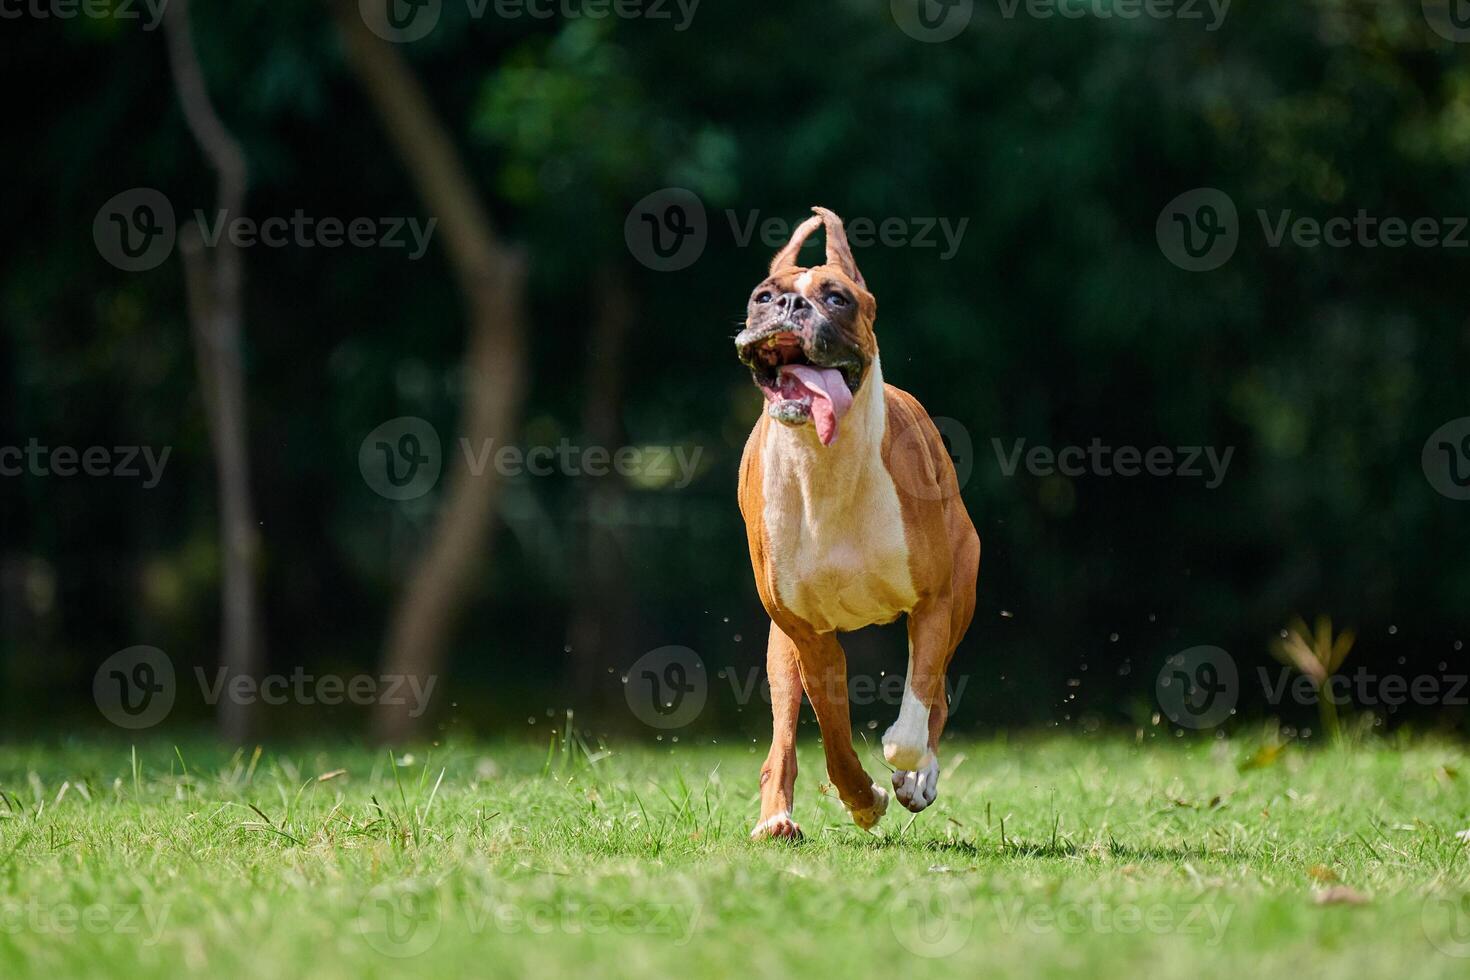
{"points": [[1061, 317]]}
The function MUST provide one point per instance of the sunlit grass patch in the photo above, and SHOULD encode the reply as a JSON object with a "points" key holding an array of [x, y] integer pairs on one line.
{"points": [[1041, 856]]}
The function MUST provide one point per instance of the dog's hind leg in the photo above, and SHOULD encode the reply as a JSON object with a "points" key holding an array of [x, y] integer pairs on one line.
{"points": [[778, 775]]}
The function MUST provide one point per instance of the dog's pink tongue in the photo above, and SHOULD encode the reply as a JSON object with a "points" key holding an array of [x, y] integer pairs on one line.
{"points": [[830, 397]]}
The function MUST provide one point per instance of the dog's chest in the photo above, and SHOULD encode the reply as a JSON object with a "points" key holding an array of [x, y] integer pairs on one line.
{"points": [[836, 538]]}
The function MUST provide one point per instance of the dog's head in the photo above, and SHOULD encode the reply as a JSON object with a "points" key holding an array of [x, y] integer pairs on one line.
{"points": [[808, 337]]}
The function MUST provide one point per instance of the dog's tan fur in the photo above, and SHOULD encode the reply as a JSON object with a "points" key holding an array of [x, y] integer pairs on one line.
{"points": [[848, 535]]}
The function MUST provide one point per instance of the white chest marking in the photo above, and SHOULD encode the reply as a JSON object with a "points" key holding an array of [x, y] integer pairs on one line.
{"points": [[833, 520]]}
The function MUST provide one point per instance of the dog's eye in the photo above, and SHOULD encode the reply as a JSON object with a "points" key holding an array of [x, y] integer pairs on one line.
{"points": [[764, 296], [836, 299]]}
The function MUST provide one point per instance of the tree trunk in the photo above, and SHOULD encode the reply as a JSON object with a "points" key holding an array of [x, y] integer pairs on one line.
{"points": [[215, 285], [492, 279], [599, 631]]}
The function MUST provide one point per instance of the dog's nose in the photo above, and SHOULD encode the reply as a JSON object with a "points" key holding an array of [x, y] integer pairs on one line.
{"points": [[791, 304]]}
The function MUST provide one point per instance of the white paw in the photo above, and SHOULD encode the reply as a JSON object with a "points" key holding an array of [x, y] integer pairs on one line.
{"points": [[778, 826], [868, 818], [916, 790], [906, 746]]}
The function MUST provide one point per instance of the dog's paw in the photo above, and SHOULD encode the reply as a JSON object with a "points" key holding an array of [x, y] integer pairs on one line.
{"points": [[916, 790], [778, 826], [868, 818], [906, 749]]}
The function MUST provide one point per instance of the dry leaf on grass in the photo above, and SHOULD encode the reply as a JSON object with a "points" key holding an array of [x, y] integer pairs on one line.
{"points": [[1266, 755], [1340, 895]]}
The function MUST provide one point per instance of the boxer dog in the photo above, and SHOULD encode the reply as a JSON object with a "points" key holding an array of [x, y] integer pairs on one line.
{"points": [[853, 517]]}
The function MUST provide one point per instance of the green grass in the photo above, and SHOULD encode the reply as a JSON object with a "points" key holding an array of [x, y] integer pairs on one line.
{"points": [[1042, 856]]}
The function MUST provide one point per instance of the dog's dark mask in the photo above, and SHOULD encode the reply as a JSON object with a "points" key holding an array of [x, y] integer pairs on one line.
{"points": [[803, 324]]}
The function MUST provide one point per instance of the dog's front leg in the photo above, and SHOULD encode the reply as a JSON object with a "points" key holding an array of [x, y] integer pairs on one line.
{"points": [[911, 745], [778, 775], [824, 675]]}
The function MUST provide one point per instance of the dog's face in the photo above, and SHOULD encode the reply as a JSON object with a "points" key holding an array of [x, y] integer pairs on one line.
{"points": [[808, 337]]}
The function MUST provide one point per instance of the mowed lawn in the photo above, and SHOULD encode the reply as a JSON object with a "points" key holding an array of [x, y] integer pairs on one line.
{"points": [[1043, 856]]}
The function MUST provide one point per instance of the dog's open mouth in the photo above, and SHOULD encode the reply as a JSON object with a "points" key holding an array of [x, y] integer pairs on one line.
{"points": [[798, 390]]}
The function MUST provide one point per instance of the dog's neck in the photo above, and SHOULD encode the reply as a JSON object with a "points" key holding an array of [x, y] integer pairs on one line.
{"points": [[799, 456]]}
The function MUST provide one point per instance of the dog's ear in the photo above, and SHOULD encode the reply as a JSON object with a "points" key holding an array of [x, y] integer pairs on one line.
{"points": [[786, 258], [838, 251]]}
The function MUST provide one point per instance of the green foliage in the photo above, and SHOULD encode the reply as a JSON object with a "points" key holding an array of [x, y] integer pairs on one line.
{"points": [[1057, 321]]}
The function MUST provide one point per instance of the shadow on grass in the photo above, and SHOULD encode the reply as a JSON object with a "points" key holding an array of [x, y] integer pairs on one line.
{"points": [[1059, 848]]}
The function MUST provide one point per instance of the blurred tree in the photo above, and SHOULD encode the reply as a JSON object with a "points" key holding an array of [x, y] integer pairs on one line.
{"points": [[599, 624], [492, 280], [215, 288], [1055, 319]]}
